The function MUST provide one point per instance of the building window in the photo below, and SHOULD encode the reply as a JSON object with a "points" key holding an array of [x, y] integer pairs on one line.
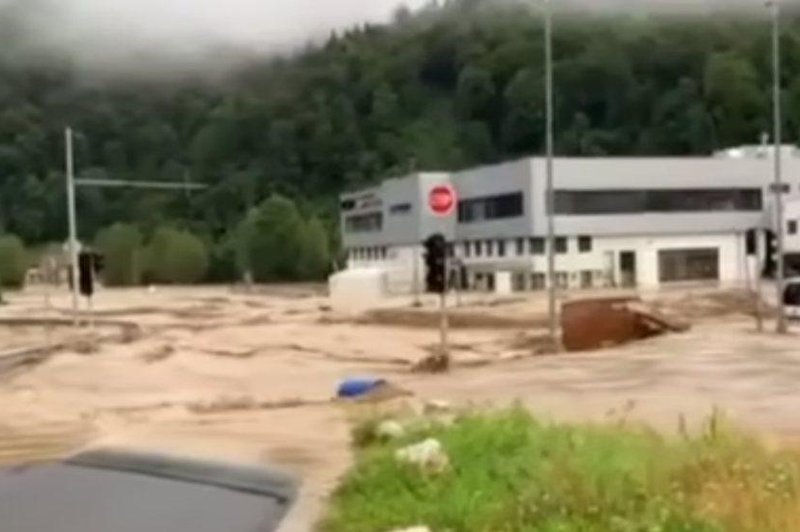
{"points": [[585, 244], [348, 205], [587, 279], [688, 265], [561, 245], [594, 202], [364, 223], [520, 246], [467, 249], [489, 248], [538, 281], [400, 209], [451, 250], [537, 246], [792, 227], [501, 248], [384, 253], [562, 280], [490, 208], [478, 248]]}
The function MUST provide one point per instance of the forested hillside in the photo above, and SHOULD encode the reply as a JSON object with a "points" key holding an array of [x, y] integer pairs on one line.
{"points": [[444, 88]]}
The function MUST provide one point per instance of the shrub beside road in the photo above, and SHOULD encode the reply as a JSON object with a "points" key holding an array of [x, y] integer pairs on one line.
{"points": [[508, 471]]}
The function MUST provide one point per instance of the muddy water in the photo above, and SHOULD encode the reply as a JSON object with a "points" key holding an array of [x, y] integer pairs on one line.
{"points": [[247, 378]]}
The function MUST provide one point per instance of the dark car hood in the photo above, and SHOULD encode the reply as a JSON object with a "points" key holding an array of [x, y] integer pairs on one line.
{"points": [[116, 491]]}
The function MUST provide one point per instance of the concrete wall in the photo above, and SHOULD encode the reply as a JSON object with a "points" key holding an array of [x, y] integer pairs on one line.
{"points": [[652, 173], [731, 248], [603, 259], [494, 181]]}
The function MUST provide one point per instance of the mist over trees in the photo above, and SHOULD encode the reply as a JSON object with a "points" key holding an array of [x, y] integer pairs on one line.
{"points": [[444, 88]]}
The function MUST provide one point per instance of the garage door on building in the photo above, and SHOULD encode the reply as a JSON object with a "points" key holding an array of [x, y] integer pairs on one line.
{"points": [[688, 265]]}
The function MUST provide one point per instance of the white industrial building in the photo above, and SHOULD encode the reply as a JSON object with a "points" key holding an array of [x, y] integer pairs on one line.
{"points": [[618, 221]]}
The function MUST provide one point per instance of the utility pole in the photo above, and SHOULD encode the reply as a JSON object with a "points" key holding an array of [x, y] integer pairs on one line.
{"points": [[780, 229], [72, 182], [71, 220], [551, 259]]}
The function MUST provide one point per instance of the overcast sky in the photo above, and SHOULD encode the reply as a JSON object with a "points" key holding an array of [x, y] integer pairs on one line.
{"points": [[118, 34]]}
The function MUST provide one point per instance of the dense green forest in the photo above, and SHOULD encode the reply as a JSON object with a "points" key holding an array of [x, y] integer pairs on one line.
{"points": [[444, 88]]}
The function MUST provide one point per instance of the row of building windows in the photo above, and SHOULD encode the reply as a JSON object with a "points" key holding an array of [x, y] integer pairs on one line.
{"points": [[490, 208], [585, 202], [369, 253], [593, 202], [364, 223], [523, 281], [523, 246]]}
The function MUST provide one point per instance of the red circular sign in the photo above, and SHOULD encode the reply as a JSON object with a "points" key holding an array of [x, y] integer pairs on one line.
{"points": [[442, 200]]}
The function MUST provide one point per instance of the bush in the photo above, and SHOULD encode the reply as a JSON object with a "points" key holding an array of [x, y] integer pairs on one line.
{"points": [[176, 257], [223, 266], [13, 262], [510, 472], [121, 247], [316, 256], [271, 239]]}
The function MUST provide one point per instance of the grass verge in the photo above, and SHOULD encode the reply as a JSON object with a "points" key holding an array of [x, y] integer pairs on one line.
{"points": [[510, 472]]}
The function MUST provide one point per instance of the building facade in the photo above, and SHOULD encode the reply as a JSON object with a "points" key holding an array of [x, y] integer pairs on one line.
{"points": [[618, 221]]}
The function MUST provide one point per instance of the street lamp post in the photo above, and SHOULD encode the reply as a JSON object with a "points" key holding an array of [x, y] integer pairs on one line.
{"points": [[780, 275], [548, 61], [71, 223]]}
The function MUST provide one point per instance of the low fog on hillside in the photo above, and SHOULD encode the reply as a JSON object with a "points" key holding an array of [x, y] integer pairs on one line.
{"points": [[159, 36], [140, 34]]}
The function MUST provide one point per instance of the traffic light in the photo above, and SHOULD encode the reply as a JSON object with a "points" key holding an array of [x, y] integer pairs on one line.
{"points": [[770, 255], [436, 264], [86, 272]]}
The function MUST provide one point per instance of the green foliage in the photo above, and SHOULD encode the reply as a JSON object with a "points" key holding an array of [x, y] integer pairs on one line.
{"points": [[223, 263], [121, 247], [272, 241], [13, 261], [176, 257], [458, 83], [316, 256], [509, 472]]}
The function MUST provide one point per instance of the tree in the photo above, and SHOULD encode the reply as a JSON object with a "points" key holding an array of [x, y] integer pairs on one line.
{"points": [[316, 256], [272, 241], [475, 93], [224, 264], [732, 90], [523, 130], [121, 247], [176, 257], [456, 83], [13, 262]]}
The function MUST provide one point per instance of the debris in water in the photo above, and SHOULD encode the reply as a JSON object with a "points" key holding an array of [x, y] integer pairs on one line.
{"points": [[598, 323]]}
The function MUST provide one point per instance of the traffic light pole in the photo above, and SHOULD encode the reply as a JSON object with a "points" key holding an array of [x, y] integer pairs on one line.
{"points": [[436, 278], [72, 211], [444, 325]]}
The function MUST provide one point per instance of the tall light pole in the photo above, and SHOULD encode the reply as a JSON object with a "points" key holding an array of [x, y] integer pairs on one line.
{"points": [[777, 118], [550, 194], [71, 222]]}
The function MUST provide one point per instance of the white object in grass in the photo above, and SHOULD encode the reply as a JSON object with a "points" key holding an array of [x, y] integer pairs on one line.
{"points": [[428, 455]]}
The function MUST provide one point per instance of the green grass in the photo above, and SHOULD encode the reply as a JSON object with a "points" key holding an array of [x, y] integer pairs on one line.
{"points": [[511, 473]]}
